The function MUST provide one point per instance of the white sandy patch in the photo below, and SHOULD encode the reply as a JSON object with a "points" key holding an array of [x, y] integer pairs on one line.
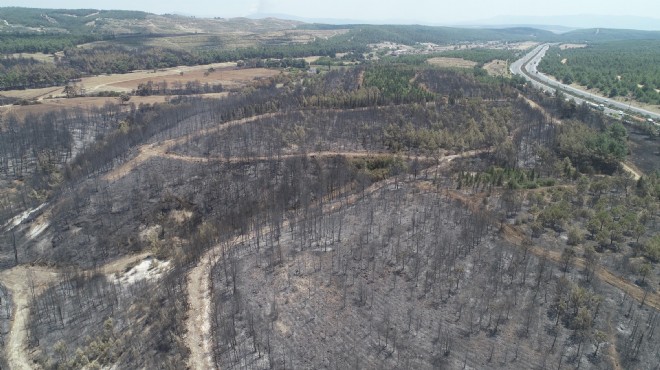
{"points": [[148, 269], [37, 229], [9, 225]]}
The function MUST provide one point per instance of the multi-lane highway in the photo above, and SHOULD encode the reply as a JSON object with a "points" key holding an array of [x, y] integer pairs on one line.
{"points": [[526, 67]]}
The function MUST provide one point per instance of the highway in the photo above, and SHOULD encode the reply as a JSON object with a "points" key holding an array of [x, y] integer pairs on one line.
{"points": [[526, 67]]}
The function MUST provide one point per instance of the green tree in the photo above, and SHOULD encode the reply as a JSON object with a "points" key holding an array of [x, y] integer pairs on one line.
{"points": [[652, 249], [575, 236]]}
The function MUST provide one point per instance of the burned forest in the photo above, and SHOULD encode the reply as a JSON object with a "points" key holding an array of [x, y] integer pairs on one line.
{"points": [[383, 215]]}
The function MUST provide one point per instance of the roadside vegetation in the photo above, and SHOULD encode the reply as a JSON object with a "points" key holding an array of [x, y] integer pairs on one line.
{"points": [[624, 69]]}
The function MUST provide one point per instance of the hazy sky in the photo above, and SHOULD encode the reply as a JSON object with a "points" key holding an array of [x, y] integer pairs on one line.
{"points": [[419, 11]]}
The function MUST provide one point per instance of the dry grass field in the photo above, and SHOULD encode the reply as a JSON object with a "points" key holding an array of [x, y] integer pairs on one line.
{"points": [[48, 105], [53, 97], [497, 68], [225, 76], [525, 45], [452, 62], [124, 82], [41, 57]]}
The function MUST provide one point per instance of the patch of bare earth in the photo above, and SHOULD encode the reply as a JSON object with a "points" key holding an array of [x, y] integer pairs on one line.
{"points": [[224, 76], [48, 105], [30, 94], [216, 73], [635, 172], [497, 67]]}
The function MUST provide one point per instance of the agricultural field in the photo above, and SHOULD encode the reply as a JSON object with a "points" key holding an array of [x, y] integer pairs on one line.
{"points": [[451, 62], [223, 76]]}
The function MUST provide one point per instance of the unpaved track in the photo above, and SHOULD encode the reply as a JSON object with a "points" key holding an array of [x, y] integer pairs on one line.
{"points": [[193, 159], [516, 236], [634, 172], [198, 324], [148, 151], [25, 282], [200, 307]]}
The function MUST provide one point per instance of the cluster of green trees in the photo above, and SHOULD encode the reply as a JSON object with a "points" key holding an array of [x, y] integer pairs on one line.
{"points": [[48, 44], [591, 149], [512, 178], [412, 34], [22, 73], [604, 213], [396, 83], [620, 68], [72, 21], [176, 88], [115, 59]]}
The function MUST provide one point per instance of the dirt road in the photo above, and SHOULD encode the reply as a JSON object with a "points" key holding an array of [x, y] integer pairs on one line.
{"points": [[516, 236], [199, 338], [25, 282]]}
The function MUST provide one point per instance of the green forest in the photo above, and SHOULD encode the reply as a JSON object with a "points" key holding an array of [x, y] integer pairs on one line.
{"points": [[617, 69], [73, 21]]}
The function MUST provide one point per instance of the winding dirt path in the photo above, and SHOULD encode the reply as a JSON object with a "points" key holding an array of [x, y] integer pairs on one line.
{"points": [[148, 151], [25, 282], [631, 169], [516, 236], [198, 325]]}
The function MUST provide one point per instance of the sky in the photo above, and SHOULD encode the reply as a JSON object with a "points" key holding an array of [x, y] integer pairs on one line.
{"points": [[379, 11]]}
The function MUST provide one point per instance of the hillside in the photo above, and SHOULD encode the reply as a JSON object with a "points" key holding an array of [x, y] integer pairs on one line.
{"points": [[316, 197], [77, 21]]}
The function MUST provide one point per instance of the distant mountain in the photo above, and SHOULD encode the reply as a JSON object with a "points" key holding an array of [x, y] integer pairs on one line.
{"points": [[608, 34], [574, 21], [333, 21], [15, 20], [552, 28]]}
